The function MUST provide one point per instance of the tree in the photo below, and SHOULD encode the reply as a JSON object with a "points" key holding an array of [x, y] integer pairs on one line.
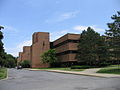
{"points": [[25, 64], [113, 35], [91, 47], [1, 27], [10, 61], [102, 51], [49, 56], [6, 60], [2, 54]]}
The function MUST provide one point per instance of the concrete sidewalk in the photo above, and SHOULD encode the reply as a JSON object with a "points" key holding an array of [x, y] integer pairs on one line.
{"points": [[87, 72]]}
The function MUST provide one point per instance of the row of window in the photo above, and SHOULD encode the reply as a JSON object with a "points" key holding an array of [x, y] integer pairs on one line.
{"points": [[64, 42], [67, 52]]}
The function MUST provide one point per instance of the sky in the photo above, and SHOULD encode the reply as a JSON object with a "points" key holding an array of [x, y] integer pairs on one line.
{"points": [[21, 18]]}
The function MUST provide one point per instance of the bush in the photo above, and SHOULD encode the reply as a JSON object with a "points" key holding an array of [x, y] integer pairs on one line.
{"points": [[104, 64], [49, 56], [25, 64], [80, 67]]}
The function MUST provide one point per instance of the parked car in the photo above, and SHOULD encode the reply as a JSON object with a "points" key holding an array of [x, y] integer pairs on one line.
{"points": [[19, 67]]}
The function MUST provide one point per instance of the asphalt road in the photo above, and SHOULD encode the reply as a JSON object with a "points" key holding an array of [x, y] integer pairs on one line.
{"points": [[42, 80]]}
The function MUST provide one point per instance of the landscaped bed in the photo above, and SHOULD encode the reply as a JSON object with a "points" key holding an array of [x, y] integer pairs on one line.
{"points": [[3, 73], [114, 69]]}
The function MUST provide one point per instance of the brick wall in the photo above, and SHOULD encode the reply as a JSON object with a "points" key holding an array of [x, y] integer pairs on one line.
{"points": [[39, 46]]}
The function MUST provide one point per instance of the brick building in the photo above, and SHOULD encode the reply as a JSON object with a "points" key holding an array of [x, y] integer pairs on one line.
{"points": [[19, 59], [26, 55], [40, 44], [66, 48]]}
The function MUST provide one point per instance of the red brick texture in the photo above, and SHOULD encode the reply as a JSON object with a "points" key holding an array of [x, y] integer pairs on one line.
{"points": [[68, 46], [26, 53], [19, 59], [39, 46]]}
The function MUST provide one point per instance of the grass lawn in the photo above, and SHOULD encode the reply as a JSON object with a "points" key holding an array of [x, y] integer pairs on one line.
{"points": [[3, 73], [64, 69], [113, 69]]}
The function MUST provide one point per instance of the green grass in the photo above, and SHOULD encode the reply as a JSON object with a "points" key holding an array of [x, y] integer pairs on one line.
{"points": [[3, 73], [113, 69], [64, 69]]}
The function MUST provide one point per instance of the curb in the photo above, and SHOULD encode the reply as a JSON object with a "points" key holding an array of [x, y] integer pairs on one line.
{"points": [[77, 74], [6, 76], [74, 73]]}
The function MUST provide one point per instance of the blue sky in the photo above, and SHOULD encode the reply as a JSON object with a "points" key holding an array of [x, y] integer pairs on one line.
{"points": [[21, 18]]}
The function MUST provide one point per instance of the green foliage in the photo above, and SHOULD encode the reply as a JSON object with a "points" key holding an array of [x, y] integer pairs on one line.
{"points": [[6, 60], [10, 61], [49, 56], [113, 35], [2, 53], [1, 27], [91, 48], [80, 67], [25, 64]]}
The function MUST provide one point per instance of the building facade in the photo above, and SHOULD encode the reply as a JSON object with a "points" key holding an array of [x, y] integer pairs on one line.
{"points": [[19, 59], [65, 46], [40, 44], [26, 55]]}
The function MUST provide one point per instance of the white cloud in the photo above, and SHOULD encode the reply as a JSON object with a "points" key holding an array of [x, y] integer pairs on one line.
{"points": [[56, 35], [18, 48], [8, 28], [24, 43], [68, 15], [97, 29], [76, 29], [62, 17], [81, 28]]}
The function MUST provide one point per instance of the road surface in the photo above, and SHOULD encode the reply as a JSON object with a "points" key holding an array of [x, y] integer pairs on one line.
{"points": [[43, 80]]}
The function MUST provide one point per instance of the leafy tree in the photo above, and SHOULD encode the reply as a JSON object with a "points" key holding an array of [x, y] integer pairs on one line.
{"points": [[2, 54], [25, 64], [10, 61], [113, 35], [49, 56], [6, 60], [91, 47]]}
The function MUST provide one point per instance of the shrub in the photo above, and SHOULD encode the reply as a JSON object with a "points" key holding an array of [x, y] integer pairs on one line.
{"points": [[104, 64], [25, 64], [49, 57], [80, 67]]}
